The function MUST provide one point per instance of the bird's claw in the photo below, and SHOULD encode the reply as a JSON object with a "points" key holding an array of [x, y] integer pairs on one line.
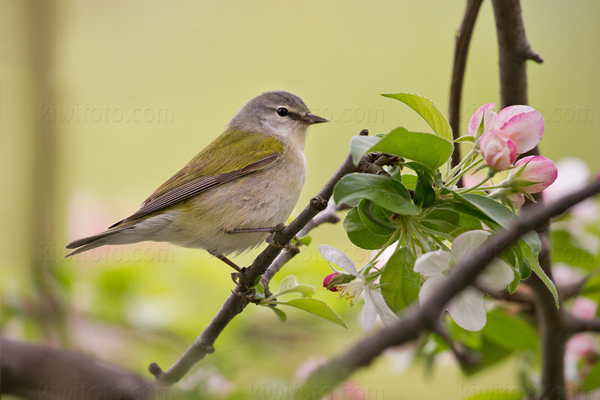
{"points": [[272, 242]]}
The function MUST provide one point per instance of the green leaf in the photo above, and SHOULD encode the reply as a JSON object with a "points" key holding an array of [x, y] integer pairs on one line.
{"points": [[503, 217], [306, 240], [316, 307], [361, 145], [534, 263], [592, 380], [381, 190], [424, 193], [400, 283], [375, 223], [279, 312], [494, 393], [466, 138], [428, 111], [425, 148], [409, 181], [259, 292], [511, 333], [290, 285], [359, 235]]}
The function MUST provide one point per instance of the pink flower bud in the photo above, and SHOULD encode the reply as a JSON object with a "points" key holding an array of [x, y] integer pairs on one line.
{"points": [[498, 150], [523, 125], [517, 199], [537, 169], [328, 279], [484, 114]]}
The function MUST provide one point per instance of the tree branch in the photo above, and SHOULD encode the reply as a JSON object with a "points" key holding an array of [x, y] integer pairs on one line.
{"points": [[463, 40], [239, 299], [514, 51], [578, 325], [427, 315], [44, 373]]}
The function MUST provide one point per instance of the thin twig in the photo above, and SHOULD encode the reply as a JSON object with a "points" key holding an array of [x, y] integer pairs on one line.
{"points": [[427, 315], [463, 40], [328, 215], [466, 358], [240, 297]]}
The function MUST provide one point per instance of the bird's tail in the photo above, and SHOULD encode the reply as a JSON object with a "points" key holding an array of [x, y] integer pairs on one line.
{"points": [[111, 236]]}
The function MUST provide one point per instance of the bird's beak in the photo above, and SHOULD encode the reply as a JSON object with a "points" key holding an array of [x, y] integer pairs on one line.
{"points": [[312, 119]]}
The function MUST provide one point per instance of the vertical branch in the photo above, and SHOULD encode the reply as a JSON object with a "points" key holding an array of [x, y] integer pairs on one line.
{"points": [[514, 51], [44, 155], [463, 40]]}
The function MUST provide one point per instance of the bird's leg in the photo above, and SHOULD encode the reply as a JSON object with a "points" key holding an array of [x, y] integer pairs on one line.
{"points": [[272, 229], [226, 261]]}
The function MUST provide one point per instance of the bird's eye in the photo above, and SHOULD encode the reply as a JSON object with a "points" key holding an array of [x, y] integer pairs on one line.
{"points": [[282, 112]]}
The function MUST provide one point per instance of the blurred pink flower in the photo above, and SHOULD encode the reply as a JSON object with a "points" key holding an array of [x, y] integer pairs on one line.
{"points": [[537, 169], [585, 308], [498, 150]]}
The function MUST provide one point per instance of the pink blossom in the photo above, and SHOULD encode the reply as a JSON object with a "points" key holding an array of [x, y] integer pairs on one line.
{"points": [[580, 345], [585, 308], [498, 150], [328, 279], [536, 169], [517, 199], [523, 125], [485, 114]]}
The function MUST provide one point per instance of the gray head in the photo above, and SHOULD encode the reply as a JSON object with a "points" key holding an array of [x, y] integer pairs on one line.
{"points": [[277, 113]]}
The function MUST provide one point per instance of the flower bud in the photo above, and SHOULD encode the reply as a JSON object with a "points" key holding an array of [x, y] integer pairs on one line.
{"points": [[327, 281], [536, 169], [517, 199], [485, 115], [523, 125], [498, 150]]}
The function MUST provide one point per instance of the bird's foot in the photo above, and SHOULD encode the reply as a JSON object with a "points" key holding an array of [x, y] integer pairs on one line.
{"points": [[271, 241], [271, 229]]}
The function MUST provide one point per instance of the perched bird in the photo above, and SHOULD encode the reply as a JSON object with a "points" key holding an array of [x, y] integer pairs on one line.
{"points": [[226, 199]]}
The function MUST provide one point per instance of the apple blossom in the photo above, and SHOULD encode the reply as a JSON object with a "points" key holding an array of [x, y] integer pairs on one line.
{"points": [[485, 114], [466, 308], [498, 150], [327, 280], [537, 169], [517, 199], [523, 125], [375, 304]]}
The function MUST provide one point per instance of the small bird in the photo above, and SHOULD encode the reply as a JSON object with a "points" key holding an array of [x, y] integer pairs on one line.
{"points": [[234, 192]]}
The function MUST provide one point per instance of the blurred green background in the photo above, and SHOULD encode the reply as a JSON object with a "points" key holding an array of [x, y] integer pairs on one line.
{"points": [[100, 102]]}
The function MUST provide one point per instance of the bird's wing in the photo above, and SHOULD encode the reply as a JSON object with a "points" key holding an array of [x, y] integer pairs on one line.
{"points": [[232, 155]]}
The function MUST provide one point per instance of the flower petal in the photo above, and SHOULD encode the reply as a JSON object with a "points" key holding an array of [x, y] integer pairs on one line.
{"points": [[385, 313], [496, 276], [430, 287], [433, 263], [338, 258], [525, 130], [507, 113], [466, 243], [369, 314], [484, 113], [467, 309]]}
